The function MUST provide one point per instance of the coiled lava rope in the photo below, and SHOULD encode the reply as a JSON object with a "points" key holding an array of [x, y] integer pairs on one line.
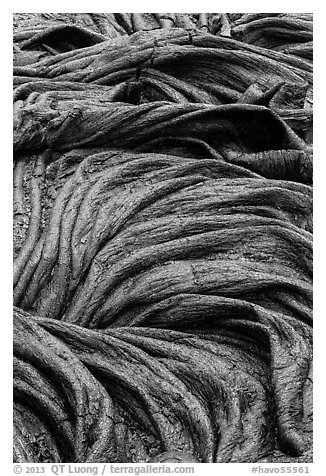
{"points": [[162, 237]]}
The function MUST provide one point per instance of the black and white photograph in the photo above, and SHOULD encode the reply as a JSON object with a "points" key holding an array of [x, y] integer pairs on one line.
{"points": [[162, 239]]}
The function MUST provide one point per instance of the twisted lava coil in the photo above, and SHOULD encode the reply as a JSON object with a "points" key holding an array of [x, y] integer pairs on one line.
{"points": [[162, 237]]}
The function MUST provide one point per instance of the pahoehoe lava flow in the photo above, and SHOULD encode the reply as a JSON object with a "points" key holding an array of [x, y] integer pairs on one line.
{"points": [[162, 237]]}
